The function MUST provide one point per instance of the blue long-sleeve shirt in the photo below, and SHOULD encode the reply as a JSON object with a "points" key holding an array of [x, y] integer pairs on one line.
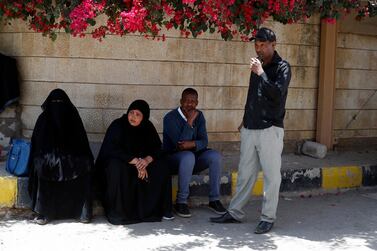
{"points": [[177, 129]]}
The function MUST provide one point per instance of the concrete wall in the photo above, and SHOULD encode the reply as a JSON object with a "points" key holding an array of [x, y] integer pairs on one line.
{"points": [[9, 124], [103, 78], [356, 80]]}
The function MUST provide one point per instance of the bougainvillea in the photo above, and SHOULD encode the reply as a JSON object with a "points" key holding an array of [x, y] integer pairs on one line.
{"points": [[191, 17]]}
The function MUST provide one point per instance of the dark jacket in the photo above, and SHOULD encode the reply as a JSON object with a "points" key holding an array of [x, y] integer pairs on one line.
{"points": [[265, 106]]}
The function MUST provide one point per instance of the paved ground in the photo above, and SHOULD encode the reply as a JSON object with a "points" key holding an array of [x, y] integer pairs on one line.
{"points": [[343, 221]]}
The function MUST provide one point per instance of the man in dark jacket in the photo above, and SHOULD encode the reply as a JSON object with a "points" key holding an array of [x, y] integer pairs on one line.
{"points": [[262, 132]]}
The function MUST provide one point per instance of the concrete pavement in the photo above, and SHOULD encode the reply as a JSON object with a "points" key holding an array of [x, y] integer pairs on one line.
{"points": [[342, 221]]}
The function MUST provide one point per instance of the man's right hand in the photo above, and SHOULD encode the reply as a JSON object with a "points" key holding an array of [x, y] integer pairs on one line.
{"points": [[191, 116]]}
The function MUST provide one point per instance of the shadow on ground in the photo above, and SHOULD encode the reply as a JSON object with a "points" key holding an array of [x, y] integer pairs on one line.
{"points": [[335, 221]]}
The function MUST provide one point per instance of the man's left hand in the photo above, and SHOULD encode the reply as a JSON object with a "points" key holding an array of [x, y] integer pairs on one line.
{"points": [[186, 145]]}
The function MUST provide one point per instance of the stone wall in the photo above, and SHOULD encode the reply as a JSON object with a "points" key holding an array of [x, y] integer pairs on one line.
{"points": [[103, 78], [9, 124], [356, 80]]}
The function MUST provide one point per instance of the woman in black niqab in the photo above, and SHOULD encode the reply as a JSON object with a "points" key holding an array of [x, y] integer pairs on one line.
{"points": [[131, 195], [60, 162]]}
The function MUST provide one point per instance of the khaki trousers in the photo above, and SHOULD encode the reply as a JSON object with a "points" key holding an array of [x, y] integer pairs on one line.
{"points": [[260, 149]]}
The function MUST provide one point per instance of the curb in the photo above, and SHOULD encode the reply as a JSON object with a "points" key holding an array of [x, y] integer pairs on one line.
{"points": [[14, 190]]}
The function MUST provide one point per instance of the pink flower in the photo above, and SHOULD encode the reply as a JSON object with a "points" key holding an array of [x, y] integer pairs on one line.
{"points": [[82, 13], [188, 1], [133, 20]]}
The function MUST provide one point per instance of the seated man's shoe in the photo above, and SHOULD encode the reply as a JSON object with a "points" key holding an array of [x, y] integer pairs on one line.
{"points": [[263, 227], [168, 216], [225, 218], [181, 209], [41, 220], [84, 220], [217, 207]]}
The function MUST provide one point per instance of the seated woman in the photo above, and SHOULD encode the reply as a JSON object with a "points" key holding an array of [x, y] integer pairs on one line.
{"points": [[134, 177], [60, 162]]}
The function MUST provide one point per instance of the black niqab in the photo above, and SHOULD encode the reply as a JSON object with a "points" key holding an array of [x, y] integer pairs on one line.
{"points": [[60, 147], [61, 125]]}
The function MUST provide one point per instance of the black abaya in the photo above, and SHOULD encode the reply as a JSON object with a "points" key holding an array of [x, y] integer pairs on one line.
{"points": [[126, 198], [60, 161]]}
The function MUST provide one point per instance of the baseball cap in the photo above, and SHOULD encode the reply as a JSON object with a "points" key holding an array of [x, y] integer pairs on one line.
{"points": [[263, 35]]}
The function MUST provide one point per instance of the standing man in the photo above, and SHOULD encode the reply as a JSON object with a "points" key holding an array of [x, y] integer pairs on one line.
{"points": [[262, 132], [185, 140]]}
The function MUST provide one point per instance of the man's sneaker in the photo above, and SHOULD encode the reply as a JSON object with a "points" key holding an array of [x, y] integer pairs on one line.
{"points": [[181, 209], [41, 220], [168, 216], [263, 227], [217, 207]]}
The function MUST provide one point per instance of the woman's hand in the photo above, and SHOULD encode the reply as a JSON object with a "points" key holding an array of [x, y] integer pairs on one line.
{"points": [[141, 164], [142, 174], [133, 161]]}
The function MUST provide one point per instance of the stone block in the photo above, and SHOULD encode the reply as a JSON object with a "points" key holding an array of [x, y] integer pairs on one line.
{"points": [[356, 59], [356, 79], [8, 188], [199, 185], [341, 177], [23, 199], [356, 41], [296, 180], [356, 99], [355, 133], [355, 119], [369, 175], [9, 112], [301, 99]]}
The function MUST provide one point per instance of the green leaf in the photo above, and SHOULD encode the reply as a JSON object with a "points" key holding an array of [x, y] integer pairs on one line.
{"points": [[92, 22], [53, 36]]}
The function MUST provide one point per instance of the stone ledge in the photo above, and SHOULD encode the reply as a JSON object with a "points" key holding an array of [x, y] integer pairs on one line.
{"points": [[325, 179]]}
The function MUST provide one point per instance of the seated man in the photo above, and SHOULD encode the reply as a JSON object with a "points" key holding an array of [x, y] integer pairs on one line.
{"points": [[185, 139]]}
